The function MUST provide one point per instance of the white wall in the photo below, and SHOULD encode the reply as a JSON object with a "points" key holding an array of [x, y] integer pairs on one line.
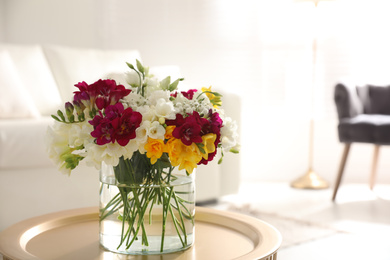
{"points": [[68, 22], [227, 44]]}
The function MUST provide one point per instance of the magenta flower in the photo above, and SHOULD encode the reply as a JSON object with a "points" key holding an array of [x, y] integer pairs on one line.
{"points": [[215, 123], [100, 94], [118, 124], [128, 123], [179, 120], [209, 159], [188, 130], [189, 94], [103, 130]]}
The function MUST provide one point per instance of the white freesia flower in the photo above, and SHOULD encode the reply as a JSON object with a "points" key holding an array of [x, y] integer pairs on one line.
{"points": [[165, 109], [130, 148], [229, 134], [57, 145], [93, 156], [57, 140], [157, 95], [80, 133], [108, 153], [142, 132], [156, 131], [148, 113]]}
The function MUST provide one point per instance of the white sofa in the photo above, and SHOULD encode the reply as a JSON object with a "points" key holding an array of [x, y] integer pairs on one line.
{"points": [[34, 82]]}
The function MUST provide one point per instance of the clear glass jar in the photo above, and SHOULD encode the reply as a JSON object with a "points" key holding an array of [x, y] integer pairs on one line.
{"points": [[146, 218]]}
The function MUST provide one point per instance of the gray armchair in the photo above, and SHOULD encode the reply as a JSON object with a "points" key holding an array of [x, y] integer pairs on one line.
{"points": [[364, 117]]}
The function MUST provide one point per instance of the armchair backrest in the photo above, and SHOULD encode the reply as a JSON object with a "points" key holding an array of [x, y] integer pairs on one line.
{"points": [[352, 100], [348, 103], [376, 99]]}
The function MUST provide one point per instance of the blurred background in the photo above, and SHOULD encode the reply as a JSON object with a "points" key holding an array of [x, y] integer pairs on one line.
{"points": [[258, 49]]}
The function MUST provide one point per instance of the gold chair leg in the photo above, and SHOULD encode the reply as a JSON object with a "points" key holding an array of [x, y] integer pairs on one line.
{"points": [[374, 167], [341, 170]]}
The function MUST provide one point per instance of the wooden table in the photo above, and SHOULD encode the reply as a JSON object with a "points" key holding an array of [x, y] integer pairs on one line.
{"points": [[74, 234]]}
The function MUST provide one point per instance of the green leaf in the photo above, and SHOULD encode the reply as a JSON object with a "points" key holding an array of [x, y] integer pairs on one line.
{"points": [[164, 84], [201, 148], [174, 84]]}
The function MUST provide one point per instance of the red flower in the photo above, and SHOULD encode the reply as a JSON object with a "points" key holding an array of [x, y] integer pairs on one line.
{"points": [[215, 124], [191, 129], [102, 93], [189, 94], [209, 159], [179, 120], [118, 124], [103, 130], [188, 130], [129, 122]]}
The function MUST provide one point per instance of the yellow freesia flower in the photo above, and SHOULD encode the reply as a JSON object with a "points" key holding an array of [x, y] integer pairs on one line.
{"points": [[168, 131], [208, 144], [154, 149], [173, 148], [186, 157], [191, 156]]}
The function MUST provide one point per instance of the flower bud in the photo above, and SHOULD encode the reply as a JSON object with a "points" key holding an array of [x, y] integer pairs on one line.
{"points": [[161, 120], [69, 108]]}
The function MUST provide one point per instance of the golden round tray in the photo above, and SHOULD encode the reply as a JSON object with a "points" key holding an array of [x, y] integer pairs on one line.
{"points": [[74, 234]]}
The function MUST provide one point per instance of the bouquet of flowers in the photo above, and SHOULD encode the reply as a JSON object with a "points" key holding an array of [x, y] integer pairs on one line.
{"points": [[143, 131]]}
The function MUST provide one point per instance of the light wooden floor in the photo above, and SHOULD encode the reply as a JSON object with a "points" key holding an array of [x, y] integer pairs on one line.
{"points": [[363, 214]]}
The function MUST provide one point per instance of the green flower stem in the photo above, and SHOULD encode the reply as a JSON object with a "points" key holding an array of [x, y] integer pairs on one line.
{"points": [[114, 204], [137, 211], [174, 220], [126, 213], [165, 214], [142, 186], [181, 218]]}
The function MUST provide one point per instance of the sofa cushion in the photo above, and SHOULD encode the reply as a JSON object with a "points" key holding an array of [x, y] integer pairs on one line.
{"points": [[14, 99], [73, 65], [35, 76], [22, 143]]}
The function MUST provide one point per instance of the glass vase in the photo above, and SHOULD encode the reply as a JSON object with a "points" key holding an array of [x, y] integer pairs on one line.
{"points": [[141, 217]]}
